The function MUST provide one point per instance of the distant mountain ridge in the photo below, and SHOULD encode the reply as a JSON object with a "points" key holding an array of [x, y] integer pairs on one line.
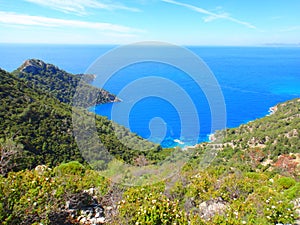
{"points": [[59, 83]]}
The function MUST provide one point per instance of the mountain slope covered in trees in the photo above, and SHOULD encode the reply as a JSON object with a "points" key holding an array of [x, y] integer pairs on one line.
{"points": [[43, 125], [57, 82], [267, 142]]}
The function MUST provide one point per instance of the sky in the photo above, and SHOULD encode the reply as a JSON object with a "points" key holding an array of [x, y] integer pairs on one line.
{"points": [[192, 22]]}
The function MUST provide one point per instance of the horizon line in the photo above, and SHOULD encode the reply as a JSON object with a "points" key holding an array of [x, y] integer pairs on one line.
{"points": [[184, 45]]}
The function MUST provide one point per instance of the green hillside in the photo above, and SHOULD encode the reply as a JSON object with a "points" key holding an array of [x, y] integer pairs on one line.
{"points": [[60, 84], [43, 125], [263, 142], [238, 187], [253, 179]]}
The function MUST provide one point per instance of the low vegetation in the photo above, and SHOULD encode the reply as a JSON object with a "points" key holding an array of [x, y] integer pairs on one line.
{"points": [[46, 179]]}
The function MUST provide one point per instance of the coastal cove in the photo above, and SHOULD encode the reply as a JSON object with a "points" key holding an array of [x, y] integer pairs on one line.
{"points": [[252, 80], [149, 112]]}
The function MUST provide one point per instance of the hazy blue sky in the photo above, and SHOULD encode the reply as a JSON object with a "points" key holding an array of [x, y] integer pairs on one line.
{"points": [[215, 22]]}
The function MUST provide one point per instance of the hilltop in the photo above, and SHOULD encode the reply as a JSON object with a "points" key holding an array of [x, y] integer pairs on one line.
{"points": [[59, 83]]}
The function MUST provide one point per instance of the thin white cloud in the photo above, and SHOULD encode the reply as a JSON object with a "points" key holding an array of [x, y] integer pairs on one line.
{"points": [[210, 15], [289, 29], [80, 6], [11, 18]]}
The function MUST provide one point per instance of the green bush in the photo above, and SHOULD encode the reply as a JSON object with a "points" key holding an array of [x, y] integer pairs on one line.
{"points": [[29, 197], [148, 206], [73, 168], [286, 182], [293, 192]]}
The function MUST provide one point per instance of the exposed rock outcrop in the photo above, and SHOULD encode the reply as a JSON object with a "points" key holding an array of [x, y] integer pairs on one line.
{"points": [[210, 208], [35, 66], [85, 208]]}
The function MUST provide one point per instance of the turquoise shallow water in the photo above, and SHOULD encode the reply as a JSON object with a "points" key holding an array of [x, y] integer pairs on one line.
{"points": [[252, 79]]}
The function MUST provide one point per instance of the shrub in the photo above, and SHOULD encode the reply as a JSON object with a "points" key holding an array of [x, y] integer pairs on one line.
{"points": [[293, 192], [149, 206], [286, 182], [71, 168]]}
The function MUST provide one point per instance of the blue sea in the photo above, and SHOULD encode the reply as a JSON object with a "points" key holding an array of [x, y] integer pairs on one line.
{"points": [[252, 79]]}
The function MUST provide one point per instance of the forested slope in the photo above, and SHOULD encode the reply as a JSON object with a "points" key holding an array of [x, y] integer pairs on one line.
{"points": [[59, 83], [266, 142], [43, 125]]}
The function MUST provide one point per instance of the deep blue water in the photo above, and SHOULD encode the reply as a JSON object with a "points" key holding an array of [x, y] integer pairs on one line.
{"points": [[252, 79]]}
